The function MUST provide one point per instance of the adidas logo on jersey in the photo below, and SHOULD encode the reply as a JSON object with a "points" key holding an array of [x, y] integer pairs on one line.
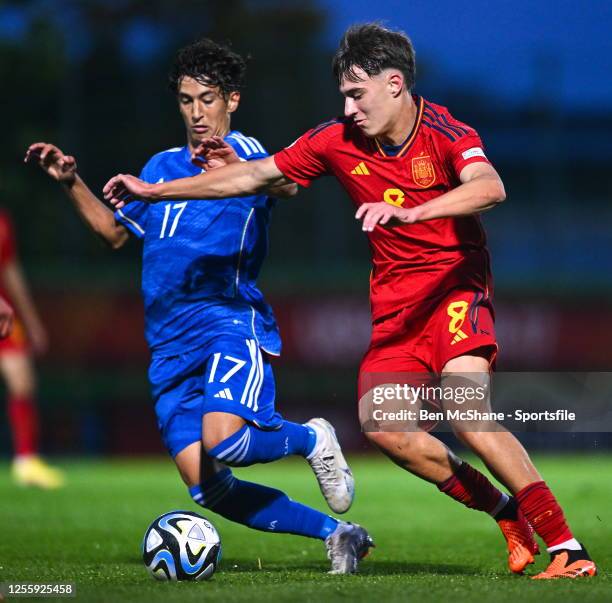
{"points": [[226, 394], [361, 170], [460, 336]]}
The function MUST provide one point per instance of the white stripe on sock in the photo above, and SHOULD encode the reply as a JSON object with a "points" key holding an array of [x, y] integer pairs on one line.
{"points": [[219, 497], [214, 490], [242, 450], [235, 445], [244, 453], [222, 485]]}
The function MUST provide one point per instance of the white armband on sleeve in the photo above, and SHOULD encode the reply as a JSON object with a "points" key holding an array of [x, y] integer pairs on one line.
{"points": [[473, 152]]}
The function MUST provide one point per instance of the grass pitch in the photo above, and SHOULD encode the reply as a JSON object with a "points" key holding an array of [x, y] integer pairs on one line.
{"points": [[428, 547]]}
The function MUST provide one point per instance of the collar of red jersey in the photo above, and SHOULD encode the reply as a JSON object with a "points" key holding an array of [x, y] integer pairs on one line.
{"points": [[411, 137]]}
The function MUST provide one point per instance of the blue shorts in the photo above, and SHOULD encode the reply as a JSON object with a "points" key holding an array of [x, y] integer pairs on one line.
{"points": [[228, 374]]}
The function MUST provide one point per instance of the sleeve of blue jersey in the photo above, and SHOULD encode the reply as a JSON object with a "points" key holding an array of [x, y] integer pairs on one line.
{"points": [[246, 147], [134, 215]]}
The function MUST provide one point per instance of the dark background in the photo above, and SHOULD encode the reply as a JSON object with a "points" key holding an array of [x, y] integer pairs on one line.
{"points": [[90, 76]]}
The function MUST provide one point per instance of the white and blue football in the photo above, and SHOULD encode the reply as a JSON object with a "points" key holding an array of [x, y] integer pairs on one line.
{"points": [[181, 545]]}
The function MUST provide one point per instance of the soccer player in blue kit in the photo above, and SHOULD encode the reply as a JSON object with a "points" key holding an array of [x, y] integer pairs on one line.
{"points": [[208, 326]]}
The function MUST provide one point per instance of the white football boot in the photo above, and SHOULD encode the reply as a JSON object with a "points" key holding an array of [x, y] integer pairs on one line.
{"points": [[330, 468], [346, 547]]}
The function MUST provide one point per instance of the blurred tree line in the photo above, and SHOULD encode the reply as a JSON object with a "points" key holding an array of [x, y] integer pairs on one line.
{"points": [[91, 77]]}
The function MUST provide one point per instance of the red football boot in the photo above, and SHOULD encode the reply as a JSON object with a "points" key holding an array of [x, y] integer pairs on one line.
{"points": [[566, 563]]}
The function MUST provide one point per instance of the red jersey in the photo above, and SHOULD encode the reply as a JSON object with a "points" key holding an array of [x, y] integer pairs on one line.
{"points": [[17, 340], [7, 243], [412, 263]]}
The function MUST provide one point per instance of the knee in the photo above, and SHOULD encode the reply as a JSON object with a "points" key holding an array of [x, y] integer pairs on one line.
{"points": [[216, 446], [232, 451], [381, 439], [22, 384], [218, 427], [211, 442]]}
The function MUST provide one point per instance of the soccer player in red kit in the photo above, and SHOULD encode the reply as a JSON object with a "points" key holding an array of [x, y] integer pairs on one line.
{"points": [[419, 178], [16, 367]]}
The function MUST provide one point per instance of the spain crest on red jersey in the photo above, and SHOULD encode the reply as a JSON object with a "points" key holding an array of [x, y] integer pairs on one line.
{"points": [[423, 171]]}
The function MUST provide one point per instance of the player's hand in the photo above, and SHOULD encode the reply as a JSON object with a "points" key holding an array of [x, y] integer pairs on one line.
{"points": [[52, 160], [124, 188], [6, 318], [214, 153], [383, 214]]}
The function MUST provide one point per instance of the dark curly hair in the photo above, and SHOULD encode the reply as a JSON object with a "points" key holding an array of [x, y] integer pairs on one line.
{"points": [[210, 64], [373, 48]]}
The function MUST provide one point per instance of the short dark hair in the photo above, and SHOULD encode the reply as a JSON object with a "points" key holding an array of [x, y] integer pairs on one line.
{"points": [[210, 64], [373, 48]]}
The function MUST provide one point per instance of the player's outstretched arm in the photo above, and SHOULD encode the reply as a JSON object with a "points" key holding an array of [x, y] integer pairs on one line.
{"points": [[235, 180], [481, 189], [63, 169], [214, 153], [283, 191]]}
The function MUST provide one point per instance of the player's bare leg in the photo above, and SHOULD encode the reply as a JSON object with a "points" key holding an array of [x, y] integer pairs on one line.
{"points": [[427, 457], [508, 460], [28, 468], [218, 426], [194, 466], [501, 451], [417, 452]]}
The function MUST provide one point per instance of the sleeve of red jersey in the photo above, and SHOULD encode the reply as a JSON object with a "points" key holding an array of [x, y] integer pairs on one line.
{"points": [[304, 160], [7, 240], [463, 146]]}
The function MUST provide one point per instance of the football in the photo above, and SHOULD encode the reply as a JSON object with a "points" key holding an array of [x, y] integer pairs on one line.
{"points": [[181, 545]]}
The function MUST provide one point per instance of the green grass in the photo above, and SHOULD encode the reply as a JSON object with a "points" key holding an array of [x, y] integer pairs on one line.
{"points": [[428, 547]]}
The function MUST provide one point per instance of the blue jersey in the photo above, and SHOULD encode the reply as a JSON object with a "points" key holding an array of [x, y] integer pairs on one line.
{"points": [[201, 259]]}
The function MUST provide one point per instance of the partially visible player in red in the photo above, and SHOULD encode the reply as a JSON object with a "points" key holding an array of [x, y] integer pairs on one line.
{"points": [[27, 338], [419, 178], [7, 316]]}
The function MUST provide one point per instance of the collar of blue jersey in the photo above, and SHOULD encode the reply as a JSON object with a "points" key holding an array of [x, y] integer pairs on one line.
{"points": [[187, 153]]}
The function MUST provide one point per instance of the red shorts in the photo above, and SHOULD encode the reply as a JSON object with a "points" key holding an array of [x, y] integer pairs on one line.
{"points": [[17, 340], [423, 338]]}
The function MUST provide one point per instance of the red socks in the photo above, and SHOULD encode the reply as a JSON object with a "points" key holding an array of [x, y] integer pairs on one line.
{"points": [[471, 488], [24, 425], [543, 512]]}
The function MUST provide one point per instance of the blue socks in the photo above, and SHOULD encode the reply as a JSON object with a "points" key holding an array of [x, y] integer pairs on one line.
{"points": [[251, 445], [260, 507], [254, 505]]}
